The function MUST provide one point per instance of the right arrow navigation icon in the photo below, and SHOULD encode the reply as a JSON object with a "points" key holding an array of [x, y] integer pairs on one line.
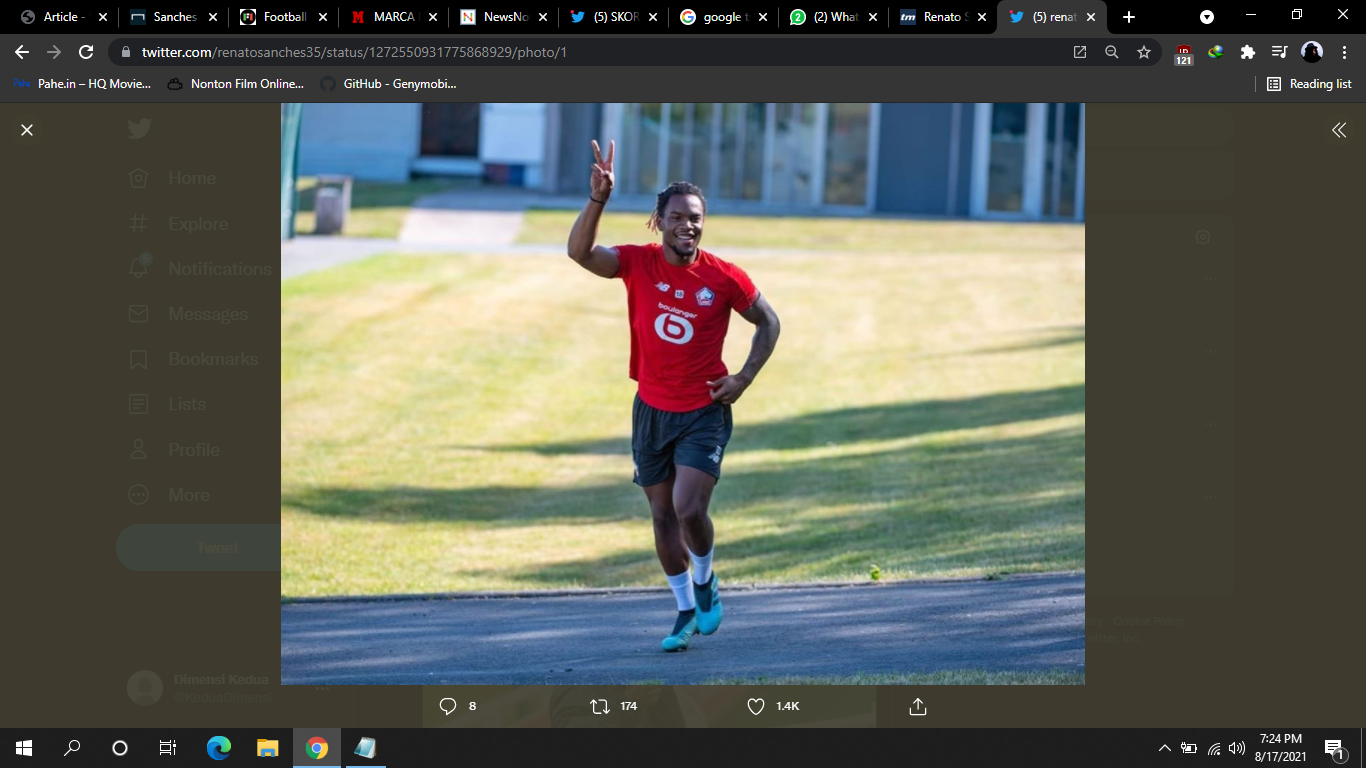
{"points": [[1337, 130]]}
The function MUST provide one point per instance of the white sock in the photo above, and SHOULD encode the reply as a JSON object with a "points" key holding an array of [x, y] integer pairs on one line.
{"points": [[682, 591], [701, 567]]}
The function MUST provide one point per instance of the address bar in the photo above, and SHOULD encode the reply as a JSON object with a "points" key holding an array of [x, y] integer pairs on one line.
{"points": [[703, 51], [334, 52]]}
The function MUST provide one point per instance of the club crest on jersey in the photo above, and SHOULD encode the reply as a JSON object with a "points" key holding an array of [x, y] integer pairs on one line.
{"points": [[663, 286], [705, 297], [678, 294]]}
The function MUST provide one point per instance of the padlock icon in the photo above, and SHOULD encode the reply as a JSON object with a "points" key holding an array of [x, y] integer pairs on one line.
{"points": [[126, 54]]}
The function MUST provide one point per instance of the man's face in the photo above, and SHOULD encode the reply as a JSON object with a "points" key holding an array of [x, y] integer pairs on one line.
{"points": [[682, 224]]}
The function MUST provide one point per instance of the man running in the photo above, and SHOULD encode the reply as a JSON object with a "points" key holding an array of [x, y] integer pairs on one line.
{"points": [[678, 300]]}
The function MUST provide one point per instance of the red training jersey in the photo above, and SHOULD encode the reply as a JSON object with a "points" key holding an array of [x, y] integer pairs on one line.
{"points": [[679, 317]]}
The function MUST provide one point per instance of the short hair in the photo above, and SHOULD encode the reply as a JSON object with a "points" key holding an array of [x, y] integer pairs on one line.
{"points": [[656, 222]]}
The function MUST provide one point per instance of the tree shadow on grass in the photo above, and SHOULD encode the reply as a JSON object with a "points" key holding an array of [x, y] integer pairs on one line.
{"points": [[849, 425], [1055, 336], [1007, 504]]}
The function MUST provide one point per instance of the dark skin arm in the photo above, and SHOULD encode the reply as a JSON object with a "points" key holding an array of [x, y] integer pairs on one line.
{"points": [[728, 389], [583, 248]]}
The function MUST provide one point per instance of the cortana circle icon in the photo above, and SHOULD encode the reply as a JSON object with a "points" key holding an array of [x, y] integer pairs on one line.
{"points": [[219, 747]]}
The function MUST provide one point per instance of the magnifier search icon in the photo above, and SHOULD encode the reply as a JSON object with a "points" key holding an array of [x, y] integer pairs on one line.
{"points": [[1110, 51], [74, 746]]}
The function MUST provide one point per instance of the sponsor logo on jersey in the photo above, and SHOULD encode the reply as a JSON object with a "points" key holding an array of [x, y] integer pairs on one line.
{"points": [[716, 455], [678, 294], [705, 297], [663, 286], [673, 329]]}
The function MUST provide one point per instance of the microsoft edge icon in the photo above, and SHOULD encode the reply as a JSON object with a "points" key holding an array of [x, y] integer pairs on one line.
{"points": [[219, 747]]}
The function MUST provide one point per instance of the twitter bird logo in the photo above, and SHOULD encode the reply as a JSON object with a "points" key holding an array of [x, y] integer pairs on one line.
{"points": [[140, 128], [576, 16], [1015, 16]]}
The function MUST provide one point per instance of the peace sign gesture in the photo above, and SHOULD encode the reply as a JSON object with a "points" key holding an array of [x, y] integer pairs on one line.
{"points": [[603, 178]]}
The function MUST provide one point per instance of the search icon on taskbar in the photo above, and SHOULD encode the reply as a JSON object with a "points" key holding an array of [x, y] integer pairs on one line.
{"points": [[74, 746], [1110, 50]]}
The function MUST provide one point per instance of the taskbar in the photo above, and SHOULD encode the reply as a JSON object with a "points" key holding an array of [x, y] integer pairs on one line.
{"points": [[403, 747]]}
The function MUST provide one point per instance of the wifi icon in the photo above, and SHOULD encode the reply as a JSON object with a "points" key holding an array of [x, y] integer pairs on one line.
{"points": [[1213, 750]]}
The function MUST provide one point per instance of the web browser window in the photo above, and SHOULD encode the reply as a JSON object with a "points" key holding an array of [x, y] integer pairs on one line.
{"points": [[724, 414]]}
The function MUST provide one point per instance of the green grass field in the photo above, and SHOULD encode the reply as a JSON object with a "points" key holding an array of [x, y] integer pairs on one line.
{"points": [[377, 209], [823, 234], [461, 422]]}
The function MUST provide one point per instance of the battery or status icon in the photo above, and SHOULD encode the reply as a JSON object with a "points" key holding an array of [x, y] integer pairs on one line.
{"points": [[1183, 56]]}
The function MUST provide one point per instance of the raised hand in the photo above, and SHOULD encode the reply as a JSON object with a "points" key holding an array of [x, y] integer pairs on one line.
{"points": [[603, 178]]}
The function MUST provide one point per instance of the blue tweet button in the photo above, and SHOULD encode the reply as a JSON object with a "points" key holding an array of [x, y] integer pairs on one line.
{"points": [[907, 17]]}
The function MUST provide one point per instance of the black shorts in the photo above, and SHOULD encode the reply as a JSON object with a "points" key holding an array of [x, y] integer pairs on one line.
{"points": [[661, 439]]}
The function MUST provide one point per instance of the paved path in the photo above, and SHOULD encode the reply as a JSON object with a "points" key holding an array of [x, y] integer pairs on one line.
{"points": [[310, 253], [1021, 623], [461, 220], [460, 230]]}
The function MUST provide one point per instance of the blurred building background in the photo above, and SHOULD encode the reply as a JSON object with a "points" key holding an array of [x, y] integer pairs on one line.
{"points": [[980, 160]]}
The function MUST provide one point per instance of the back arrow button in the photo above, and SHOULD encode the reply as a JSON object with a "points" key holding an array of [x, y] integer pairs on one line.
{"points": [[20, 51], [55, 51]]}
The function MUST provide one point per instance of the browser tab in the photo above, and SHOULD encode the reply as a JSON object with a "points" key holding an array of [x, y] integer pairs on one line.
{"points": [[978, 20], [1078, 17], [423, 20], [628, 20], [714, 20], [286, 21], [190, 20], [514, 20]]}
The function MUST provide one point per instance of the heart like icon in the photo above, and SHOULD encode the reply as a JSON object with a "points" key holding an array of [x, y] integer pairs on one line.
{"points": [[756, 706]]}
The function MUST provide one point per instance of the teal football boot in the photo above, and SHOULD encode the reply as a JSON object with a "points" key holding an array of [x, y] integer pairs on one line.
{"points": [[684, 629], [708, 606]]}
